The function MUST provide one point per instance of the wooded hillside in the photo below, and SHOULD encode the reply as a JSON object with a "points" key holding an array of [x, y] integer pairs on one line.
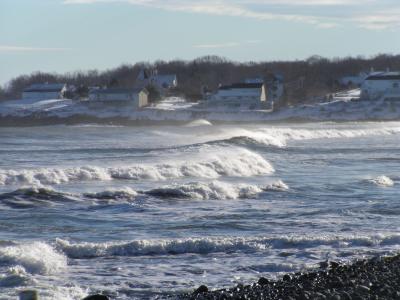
{"points": [[304, 79]]}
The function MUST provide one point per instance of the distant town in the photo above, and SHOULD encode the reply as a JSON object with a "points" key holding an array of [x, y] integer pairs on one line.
{"points": [[268, 89]]}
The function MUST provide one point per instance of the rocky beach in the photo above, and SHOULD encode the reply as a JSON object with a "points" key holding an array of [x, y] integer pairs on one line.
{"points": [[374, 278]]}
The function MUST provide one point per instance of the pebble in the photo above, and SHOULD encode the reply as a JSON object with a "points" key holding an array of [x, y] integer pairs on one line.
{"points": [[377, 278]]}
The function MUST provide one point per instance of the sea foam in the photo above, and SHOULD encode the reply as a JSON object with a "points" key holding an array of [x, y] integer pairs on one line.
{"points": [[202, 190], [382, 181], [35, 257], [223, 244], [280, 136], [236, 162]]}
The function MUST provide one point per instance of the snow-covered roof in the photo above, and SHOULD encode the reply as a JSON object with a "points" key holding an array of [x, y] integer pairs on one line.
{"points": [[45, 87], [384, 76]]}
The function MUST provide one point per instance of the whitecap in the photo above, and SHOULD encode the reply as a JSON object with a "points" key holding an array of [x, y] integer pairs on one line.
{"points": [[204, 191], [209, 245], [35, 257], [235, 162], [383, 180]]}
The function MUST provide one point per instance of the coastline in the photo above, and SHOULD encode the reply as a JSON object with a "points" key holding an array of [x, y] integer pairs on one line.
{"points": [[373, 278]]}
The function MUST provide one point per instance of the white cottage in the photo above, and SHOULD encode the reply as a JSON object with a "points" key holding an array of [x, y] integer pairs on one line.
{"points": [[151, 77], [138, 97], [381, 85], [44, 91], [240, 94]]}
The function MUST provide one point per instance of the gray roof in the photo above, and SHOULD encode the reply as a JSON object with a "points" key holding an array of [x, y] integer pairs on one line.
{"points": [[118, 91], [45, 87], [384, 76], [241, 86]]}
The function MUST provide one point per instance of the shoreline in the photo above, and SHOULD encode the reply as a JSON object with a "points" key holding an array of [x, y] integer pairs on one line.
{"points": [[373, 278], [32, 121]]}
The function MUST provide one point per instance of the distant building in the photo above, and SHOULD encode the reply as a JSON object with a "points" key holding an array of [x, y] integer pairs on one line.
{"points": [[354, 80], [139, 97], [251, 95], [275, 89], [254, 80], [163, 83], [45, 91], [166, 82], [381, 85]]}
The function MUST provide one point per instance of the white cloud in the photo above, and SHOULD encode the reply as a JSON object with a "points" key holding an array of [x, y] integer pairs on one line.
{"points": [[4, 48], [364, 13]]}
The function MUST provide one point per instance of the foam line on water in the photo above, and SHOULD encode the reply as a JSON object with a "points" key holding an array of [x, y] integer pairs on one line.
{"points": [[34, 257], [236, 162], [215, 245], [215, 190]]}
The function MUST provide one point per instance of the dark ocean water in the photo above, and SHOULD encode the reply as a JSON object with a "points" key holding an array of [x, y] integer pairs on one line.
{"points": [[139, 212]]}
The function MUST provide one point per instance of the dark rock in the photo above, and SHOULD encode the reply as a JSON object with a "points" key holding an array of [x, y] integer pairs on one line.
{"points": [[96, 297], [201, 290], [334, 264], [263, 281], [363, 290], [286, 277], [323, 264]]}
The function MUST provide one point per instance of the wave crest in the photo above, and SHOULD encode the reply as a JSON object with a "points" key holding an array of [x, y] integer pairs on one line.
{"points": [[34, 257], [236, 163], [215, 245], [382, 181]]}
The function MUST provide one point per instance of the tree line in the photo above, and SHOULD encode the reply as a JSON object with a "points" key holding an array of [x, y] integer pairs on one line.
{"points": [[305, 80]]}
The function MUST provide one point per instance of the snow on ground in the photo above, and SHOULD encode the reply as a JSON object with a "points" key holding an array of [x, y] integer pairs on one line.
{"points": [[344, 107]]}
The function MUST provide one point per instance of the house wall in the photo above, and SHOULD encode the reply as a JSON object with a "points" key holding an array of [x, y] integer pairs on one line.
{"points": [[143, 99], [376, 89], [110, 97], [238, 94], [41, 95]]}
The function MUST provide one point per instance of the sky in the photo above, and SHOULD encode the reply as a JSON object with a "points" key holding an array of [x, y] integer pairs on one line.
{"points": [[68, 35]]}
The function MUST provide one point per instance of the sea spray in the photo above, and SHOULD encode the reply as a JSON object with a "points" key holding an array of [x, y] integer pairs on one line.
{"points": [[209, 245], [35, 257], [236, 162]]}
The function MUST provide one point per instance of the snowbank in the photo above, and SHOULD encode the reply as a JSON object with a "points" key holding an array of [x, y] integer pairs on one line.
{"points": [[344, 107]]}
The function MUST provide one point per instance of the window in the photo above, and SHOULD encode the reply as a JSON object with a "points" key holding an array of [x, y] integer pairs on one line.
{"points": [[396, 85]]}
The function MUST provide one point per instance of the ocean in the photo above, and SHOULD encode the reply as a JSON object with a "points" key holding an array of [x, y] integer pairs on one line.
{"points": [[155, 211]]}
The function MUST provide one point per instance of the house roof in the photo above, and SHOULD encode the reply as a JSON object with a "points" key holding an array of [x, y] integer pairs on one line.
{"points": [[384, 76], [45, 87], [168, 79], [241, 86], [118, 91]]}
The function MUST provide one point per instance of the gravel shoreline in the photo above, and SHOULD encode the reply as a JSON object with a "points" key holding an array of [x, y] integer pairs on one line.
{"points": [[374, 278]]}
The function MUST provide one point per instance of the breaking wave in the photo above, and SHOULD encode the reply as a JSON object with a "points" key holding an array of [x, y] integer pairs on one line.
{"points": [[125, 193], [14, 276], [382, 181], [236, 162], [216, 245], [35, 195], [33, 257], [215, 190], [199, 122], [279, 137]]}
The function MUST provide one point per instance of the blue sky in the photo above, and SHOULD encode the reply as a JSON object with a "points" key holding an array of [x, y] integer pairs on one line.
{"points": [[69, 35]]}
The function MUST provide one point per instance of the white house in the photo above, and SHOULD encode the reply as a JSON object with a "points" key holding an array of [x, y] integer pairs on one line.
{"points": [[167, 81], [251, 95], [381, 85], [139, 97], [275, 89], [45, 91], [163, 82], [356, 80]]}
